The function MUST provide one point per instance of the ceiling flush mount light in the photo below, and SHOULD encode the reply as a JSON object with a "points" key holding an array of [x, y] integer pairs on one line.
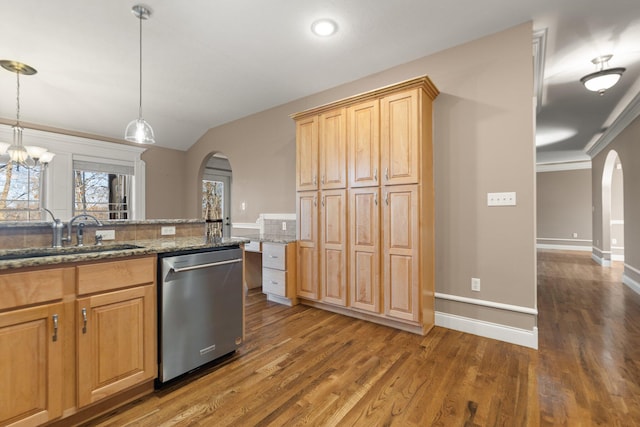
{"points": [[602, 79], [324, 27], [139, 130], [20, 154]]}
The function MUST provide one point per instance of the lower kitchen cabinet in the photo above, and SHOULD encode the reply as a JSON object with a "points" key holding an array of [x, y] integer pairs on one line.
{"points": [[31, 365], [364, 249], [116, 342], [307, 210], [279, 272], [401, 243], [333, 246], [53, 364]]}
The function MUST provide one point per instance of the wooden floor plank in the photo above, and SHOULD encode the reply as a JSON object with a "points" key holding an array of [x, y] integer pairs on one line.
{"points": [[301, 366]]}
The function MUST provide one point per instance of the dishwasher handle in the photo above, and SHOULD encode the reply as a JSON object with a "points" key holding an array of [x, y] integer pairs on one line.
{"points": [[201, 266]]}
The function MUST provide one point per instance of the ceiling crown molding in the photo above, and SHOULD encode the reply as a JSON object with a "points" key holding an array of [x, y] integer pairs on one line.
{"points": [[539, 55], [628, 115]]}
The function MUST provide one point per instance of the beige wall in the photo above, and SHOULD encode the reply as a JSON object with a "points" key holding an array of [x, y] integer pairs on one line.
{"points": [[165, 183], [564, 207], [483, 138], [627, 145]]}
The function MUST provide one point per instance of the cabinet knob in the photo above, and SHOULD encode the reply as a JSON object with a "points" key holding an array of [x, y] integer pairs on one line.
{"points": [[386, 174], [375, 174], [322, 179], [55, 327], [315, 180], [375, 198], [386, 198]]}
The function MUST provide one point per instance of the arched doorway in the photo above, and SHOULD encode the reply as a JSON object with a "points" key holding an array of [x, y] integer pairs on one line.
{"points": [[216, 194], [612, 209]]}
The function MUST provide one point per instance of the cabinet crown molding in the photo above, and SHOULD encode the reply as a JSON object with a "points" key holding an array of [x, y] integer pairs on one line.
{"points": [[423, 82]]}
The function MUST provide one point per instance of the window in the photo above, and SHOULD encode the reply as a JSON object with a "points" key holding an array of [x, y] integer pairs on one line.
{"points": [[102, 190], [20, 190]]}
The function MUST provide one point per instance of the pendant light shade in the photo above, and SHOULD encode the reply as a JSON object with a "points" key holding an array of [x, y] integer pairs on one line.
{"points": [[602, 79], [139, 130]]}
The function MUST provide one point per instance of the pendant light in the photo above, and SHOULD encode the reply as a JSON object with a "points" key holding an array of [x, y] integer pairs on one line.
{"points": [[602, 79], [139, 130], [17, 151]]}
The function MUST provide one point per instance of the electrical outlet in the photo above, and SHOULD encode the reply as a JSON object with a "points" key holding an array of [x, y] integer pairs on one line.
{"points": [[284, 225], [475, 284], [614, 241], [168, 230], [575, 235], [106, 234], [501, 199]]}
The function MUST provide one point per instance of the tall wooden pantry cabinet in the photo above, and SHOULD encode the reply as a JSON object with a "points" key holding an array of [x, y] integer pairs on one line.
{"points": [[364, 181]]}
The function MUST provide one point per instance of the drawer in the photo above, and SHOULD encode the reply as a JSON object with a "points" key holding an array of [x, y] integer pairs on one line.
{"points": [[274, 282], [273, 256], [252, 246], [33, 287], [104, 276]]}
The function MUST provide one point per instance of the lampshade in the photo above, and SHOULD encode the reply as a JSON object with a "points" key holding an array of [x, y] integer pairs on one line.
{"points": [[46, 157], [602, 79], [139, 131]]}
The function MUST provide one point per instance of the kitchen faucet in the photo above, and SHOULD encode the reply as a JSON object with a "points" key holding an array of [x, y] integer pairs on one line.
{"points": [[57, 227], [80, 228]]}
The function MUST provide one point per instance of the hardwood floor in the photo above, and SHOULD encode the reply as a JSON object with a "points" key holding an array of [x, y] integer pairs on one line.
{"points": [[303, 366]]}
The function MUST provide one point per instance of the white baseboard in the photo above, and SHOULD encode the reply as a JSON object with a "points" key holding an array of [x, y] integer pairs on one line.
{"points": [[494, 331], [603, 262], [631, 284], [618, 257], [564, 247]]}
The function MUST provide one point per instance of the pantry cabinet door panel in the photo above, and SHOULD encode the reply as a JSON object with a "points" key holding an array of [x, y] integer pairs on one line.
{"points": [[333, 149], [333, 247], [364, 144], [307, 154]]}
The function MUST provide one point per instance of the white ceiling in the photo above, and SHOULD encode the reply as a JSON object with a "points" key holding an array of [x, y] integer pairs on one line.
{"points": [[207, 62]]}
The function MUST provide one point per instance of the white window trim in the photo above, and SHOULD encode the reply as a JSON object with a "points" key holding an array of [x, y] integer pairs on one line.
{"points": [[58, 195]]}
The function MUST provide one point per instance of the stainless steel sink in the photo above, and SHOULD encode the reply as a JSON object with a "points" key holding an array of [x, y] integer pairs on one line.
{"points": [[42, 252]]}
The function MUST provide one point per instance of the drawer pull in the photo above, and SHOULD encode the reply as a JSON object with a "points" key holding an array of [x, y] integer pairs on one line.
{"points": [[273, 256], [273, 282], [55, 327], [375, 174], [84, 320]]}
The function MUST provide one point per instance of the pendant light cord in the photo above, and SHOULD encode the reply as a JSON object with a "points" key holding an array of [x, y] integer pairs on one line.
{"points": [[140, 98]]}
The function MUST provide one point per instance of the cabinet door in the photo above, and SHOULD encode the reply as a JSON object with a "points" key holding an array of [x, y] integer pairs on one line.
{"points": [[31, 365], [364, 144], [307, 154], [307, 283], [333, 246], [364, 249], [116, 342], [333, 149], [400, 137], [401, 252]]}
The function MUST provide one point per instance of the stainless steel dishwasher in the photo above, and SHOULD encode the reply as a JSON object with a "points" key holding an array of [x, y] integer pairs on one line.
{"points": [[200, 313]]}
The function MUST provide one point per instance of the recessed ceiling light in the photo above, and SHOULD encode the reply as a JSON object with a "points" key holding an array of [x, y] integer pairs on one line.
{"points": [[324, 27]]}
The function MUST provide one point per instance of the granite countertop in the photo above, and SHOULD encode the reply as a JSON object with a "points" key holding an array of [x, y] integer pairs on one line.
{"points": [[19, 258], [270, 238], [105, 222]]}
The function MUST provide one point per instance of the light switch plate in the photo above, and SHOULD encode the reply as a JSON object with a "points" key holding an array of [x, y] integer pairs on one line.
{"points": [[168, 230], [501, 199]]}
